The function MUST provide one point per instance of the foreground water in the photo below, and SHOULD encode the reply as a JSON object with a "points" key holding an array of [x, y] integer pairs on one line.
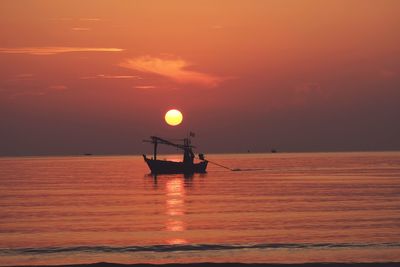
{"points": [[286, 208]]}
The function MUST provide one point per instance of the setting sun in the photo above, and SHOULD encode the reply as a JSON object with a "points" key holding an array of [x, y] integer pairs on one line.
{"points": [[289, 153], [173, 117]]}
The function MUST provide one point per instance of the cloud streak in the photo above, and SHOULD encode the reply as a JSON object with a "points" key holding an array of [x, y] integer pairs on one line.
{"points": [[105, 76], [89, 19], [75, 19], [174, 69], [52, 50], [23, 77], [145, 87], [81, 29]]}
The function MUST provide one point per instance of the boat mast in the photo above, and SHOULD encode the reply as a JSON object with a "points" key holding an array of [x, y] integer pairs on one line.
{"points": [[155, 148]]}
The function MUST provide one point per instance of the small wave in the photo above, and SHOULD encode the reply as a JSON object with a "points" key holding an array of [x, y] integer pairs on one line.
{"points": [[192, 247]]}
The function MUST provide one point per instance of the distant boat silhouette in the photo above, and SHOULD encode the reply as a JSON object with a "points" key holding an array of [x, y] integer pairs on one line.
{"points": [[187, 166], [87, 154]]}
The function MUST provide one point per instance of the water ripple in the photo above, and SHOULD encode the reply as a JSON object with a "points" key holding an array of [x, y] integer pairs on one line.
{"points": [[193, 247]]}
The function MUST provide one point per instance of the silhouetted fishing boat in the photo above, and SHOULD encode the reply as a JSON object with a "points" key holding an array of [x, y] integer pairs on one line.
{"points": [[186, 166]]}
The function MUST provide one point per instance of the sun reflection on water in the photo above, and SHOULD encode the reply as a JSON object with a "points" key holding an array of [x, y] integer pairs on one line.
{"points": [[175, 210]]}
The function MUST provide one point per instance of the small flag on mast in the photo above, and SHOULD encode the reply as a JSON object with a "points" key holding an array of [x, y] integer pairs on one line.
{"points": [[192, 134]]}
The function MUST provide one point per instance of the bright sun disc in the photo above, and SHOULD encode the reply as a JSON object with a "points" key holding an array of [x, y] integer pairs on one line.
{"points": [[173, 117]]}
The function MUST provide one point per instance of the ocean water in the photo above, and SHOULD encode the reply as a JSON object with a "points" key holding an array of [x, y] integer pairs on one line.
{"points": [[281, 208]]}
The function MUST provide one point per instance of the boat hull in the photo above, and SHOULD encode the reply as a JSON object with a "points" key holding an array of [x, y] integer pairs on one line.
{"points": [[170, 167]]}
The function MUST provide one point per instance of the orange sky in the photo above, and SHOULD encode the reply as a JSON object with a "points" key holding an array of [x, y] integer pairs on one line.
{"points": [[98, 76]]}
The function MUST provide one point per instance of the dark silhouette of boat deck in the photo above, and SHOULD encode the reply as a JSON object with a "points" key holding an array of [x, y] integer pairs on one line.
{"points": [[187, 166]]}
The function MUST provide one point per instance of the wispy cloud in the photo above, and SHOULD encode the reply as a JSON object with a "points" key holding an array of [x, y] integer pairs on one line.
{"points": [[52, 50], [37, 92], [58, 87], [89, 19], [82, 29], [145, 87], [175, 69], [20, 94], [75, 19], [23, 77], [105, 76]]}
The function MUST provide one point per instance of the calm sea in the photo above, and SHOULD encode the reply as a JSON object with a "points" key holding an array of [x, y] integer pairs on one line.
{"points": [[311, 207]]}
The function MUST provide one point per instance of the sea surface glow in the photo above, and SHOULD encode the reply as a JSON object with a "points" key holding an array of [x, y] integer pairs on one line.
{"points": [[284, 208]]}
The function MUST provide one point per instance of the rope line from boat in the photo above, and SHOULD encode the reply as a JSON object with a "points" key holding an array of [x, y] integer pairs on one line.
{"points": [[201, 157], [220, 165]]}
